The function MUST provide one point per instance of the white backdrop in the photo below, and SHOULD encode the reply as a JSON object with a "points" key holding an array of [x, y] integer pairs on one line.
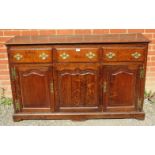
{"points": [[62, 14]]}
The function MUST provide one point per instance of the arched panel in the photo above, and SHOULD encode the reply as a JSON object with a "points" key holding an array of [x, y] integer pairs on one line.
{"points": [[33, 72], [34, 87], [121, 88], [122, 85]]}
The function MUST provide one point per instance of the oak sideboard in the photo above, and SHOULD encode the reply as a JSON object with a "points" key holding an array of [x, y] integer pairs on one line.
{"points": [[78, 77]]}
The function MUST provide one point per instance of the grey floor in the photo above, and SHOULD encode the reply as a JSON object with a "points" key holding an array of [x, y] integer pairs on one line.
{"points": [[7, 111]]}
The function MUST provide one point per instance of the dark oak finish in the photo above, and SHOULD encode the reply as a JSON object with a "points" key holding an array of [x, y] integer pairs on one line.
{"points": [[78, 77]]}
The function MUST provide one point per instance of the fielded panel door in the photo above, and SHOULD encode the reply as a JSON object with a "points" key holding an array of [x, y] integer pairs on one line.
{"points": [[122, 89], [34, 87], [77, 87]]}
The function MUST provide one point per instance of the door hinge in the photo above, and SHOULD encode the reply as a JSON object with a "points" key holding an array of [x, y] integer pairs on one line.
{"points": [[142, 72], [17, 105], [51, 87], [13, 73], [105, 87], [139, 104]]}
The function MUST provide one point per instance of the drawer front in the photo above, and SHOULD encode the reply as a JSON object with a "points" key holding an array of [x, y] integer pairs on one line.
{"points": [[76, 54], [26, 56], [123, 54]]}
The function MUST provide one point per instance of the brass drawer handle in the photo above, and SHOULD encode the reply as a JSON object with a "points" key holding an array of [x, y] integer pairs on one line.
{"points": [[90, 55], [110, 55], [43, 56], [18, 56], [136, 55], [64, 55]]}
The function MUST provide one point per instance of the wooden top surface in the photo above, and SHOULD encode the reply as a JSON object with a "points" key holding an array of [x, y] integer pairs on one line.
{"points": [[82, 39]]}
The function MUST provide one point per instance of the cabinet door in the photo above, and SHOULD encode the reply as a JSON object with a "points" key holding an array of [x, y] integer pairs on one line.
{"points": [[77, 87], [122, 89], [33, 89]]}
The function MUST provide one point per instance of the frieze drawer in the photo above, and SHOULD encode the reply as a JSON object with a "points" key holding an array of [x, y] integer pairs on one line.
{"points": [[123, 54], [31, 55], [77, 54]]}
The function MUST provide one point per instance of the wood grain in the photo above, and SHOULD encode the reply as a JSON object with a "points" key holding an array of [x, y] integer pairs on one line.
{"points": [[70, 39], [78, 80]]}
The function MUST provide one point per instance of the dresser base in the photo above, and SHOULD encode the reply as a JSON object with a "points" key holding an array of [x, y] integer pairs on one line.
{"points": [[77, 116]]}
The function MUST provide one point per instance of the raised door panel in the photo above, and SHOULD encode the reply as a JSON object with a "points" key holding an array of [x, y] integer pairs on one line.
{"points": [[33, 88], [77, 87], [122, 87]]}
